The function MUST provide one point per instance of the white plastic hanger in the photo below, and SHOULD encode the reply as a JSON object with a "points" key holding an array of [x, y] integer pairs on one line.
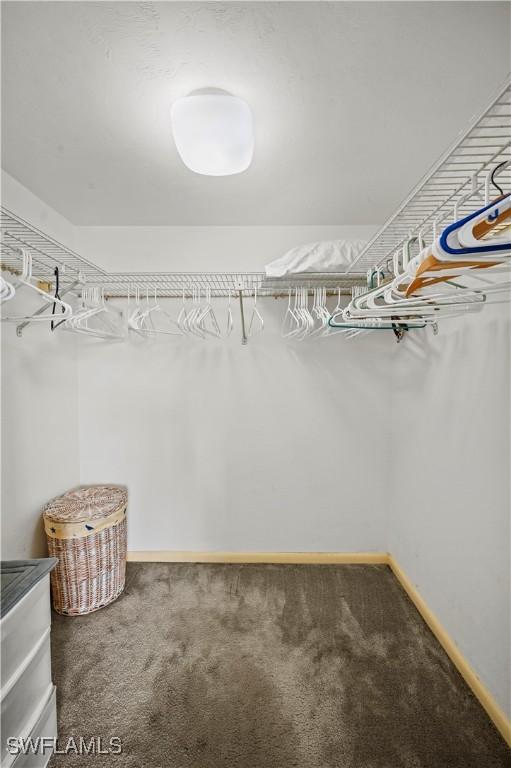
{"points": [[181, 318], [230, 321], [256, 315], [290, 320], [133, 313], [94, 307], [191, 319], [321, 313], [208, 314], [145, 321], [301, 313], [7, 290], [25, 281]]}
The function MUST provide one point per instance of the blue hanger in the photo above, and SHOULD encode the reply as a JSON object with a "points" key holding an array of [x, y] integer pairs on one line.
{"points": [[459, 224]]}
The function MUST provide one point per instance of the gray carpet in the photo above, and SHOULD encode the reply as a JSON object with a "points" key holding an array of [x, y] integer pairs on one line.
{"points": [[265, 666]]}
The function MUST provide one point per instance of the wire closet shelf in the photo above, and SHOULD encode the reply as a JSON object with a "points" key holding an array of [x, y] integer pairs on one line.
{"points": [[451, 187], [75, 271], [461, 174]]}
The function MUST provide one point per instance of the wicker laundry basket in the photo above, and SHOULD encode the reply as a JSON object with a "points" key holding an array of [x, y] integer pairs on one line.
{"points": [[86, 529]]}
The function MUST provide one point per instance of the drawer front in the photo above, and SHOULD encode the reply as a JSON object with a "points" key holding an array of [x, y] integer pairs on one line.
{"points": [[46, 727], [23, 628], [23, 702]]}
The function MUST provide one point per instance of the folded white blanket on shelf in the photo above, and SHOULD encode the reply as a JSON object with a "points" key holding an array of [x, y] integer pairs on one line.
{"points": [[325, 256]]}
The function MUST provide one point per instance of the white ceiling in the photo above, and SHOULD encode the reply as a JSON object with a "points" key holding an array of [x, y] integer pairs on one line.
{"points": [[352, 103]]}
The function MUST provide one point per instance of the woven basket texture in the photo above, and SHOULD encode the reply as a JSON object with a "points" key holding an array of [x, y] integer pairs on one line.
{"points": [[91, 570]]}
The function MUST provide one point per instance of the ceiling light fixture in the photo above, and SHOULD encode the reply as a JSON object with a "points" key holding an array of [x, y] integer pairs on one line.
{"points": [[214, 132]]}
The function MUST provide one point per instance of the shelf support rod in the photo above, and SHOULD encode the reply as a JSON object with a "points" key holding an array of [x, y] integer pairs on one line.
{"points": [[242, 312]]}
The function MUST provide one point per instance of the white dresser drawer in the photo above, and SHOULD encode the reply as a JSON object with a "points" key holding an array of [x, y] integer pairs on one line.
{"points": [[25, 696], [23, 627], [45, 727]]}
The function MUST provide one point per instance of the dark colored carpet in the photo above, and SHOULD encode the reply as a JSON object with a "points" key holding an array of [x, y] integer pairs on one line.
{"points": [[265, 666]]}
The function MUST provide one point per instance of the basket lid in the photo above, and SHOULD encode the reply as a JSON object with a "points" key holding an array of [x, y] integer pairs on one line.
{"points": [[87, 502]]}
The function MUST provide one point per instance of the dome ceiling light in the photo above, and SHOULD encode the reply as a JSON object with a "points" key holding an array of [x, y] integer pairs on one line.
{"points": [[214, 132]]}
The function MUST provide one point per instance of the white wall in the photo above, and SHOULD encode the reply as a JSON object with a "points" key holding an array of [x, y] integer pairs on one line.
{"points": [[449, 509], [39, 429], [39, 401], [272, 446], [195, 249]]}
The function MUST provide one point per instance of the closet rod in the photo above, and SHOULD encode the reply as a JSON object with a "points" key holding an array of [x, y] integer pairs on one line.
{"points": [[281, 293]]}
